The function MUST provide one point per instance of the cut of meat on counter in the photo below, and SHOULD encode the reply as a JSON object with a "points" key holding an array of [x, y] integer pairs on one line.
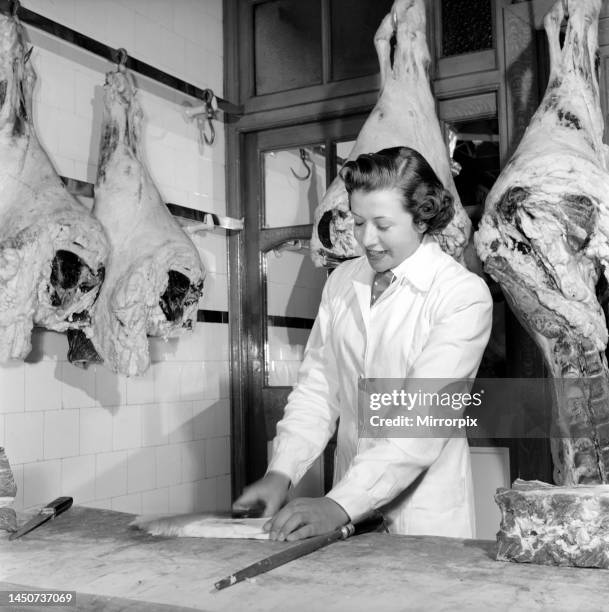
{"points": [[544, 238], [52, 250], [405, 115], [154, 277]]}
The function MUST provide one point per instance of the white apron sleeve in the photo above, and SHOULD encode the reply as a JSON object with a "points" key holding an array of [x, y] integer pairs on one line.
{"points": [[453, 350], [312, 410]]}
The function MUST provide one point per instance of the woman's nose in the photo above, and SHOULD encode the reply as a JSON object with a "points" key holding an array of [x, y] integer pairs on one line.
{"points": [[368, 235]]}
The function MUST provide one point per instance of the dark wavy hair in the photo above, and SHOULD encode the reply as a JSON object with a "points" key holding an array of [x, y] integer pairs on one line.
{"points": [[406, 170]]}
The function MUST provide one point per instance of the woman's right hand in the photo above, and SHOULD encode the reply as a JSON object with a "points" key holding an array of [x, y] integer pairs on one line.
{"points": [[271, 491]]}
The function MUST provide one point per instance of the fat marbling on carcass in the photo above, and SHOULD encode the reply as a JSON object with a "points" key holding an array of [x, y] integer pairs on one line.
{"points": [[544, 237], [405, 114], [154, 277], [52, 250]]}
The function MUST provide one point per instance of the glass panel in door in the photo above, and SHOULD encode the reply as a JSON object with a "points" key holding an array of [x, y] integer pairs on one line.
{"points": [[294, 287], [294, 183]]}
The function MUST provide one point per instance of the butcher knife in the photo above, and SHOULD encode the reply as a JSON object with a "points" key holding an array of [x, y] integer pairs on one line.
{"points": [[302, 548], [50, 511]]}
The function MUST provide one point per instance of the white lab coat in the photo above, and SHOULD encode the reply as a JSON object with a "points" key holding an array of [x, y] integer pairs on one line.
{"points": [[433, 321]]}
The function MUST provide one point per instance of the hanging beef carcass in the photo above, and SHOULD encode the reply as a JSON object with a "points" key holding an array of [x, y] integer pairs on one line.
{"points": [[544, 237], [154, 276], [404, 115], [52, 251]]}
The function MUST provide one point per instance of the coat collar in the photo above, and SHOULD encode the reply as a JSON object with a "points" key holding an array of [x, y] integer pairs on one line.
{"points": [[419, 269]]}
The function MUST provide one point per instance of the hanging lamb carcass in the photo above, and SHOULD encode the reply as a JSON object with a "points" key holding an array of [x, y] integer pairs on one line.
{"points": [[544, 238], [52, 250], [405, 114], [154, 277]]}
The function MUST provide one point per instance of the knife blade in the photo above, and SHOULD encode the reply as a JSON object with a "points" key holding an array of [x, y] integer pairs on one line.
{"points": [[302, 548], [50, 511]]}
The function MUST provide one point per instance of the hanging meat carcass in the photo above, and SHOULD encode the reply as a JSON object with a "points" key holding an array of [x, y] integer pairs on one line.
{"points": [[404, 115], [544, 237], [154, 276], [52, 251]]}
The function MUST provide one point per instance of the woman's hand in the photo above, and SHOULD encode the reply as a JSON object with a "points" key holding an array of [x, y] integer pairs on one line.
{"points": [[304, 517], [271, 491]]}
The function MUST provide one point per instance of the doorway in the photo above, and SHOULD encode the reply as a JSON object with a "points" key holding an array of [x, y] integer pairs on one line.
{"points": [[285, 173]]}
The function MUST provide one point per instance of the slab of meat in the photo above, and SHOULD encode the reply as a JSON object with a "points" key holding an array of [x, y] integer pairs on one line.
{"points": [[404, 115], [549, 525], [52, 251], [544, 237], [154, 276], [8, 490]]}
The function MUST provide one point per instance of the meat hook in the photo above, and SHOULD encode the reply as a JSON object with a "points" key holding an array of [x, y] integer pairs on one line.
{"points": [[211, 106], [304, 156], [204, 114], [15, 6], [121, 56]]}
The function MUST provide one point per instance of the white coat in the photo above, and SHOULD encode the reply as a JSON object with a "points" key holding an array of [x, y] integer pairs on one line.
{"points": [[433, 321]]}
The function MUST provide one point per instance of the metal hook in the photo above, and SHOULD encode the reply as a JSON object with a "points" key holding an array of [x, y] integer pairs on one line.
{"points": [[14, 7], [211, 105], [120, 57], [304, 157]]}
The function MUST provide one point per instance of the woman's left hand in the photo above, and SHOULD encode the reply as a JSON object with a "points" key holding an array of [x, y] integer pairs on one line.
{"points": [[304, 517]]}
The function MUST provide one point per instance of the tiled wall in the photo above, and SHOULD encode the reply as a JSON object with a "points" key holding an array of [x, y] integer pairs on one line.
{"points": [[160, 442]]}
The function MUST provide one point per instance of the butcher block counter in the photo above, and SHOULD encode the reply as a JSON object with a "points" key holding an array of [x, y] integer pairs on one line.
{"points": [[114, 567]]}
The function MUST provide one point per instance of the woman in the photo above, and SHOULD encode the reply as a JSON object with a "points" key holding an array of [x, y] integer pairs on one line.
{"points": [[432, 321]]}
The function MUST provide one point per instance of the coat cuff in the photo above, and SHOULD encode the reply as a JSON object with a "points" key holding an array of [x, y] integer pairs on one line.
{"points": [[355, 501], [286, 465]]}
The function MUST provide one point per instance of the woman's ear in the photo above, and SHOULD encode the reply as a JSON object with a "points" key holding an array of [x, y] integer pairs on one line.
{"points": [[421, 227]]}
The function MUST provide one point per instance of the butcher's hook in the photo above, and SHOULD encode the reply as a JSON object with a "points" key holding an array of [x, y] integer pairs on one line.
{"points": [[120, 57], [304, 156], [14, 7], [205, 123]]}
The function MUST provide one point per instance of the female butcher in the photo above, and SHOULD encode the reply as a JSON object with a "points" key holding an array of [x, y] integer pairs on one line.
{"points": [[432, 321]]}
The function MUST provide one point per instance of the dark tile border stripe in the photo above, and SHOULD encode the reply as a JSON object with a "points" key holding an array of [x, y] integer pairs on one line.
{"points": [[296, 322], [212, 316]]}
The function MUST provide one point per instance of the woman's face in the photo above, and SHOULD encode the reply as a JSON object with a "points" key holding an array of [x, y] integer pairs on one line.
{"points": [[384, 228]]}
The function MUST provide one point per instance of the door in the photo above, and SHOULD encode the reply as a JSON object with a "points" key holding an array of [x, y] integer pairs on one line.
{"points": [[286, 172]]}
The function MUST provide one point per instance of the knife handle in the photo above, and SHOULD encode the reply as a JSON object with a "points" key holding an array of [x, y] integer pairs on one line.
{"points": [[59, 505], [372, 522]]}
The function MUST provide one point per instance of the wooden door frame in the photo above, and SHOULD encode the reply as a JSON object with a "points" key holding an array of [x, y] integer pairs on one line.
{"points": [[263, 404]]}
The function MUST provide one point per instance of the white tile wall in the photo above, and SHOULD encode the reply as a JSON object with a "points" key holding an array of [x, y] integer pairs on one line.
{"points": [[95, 430], [168, 465], [141, 469], [12, 385], [78, 478], [111, 474], [130, 444], [156, 501], [41, 482], [127, 428], [24, 432], [61, 434]]}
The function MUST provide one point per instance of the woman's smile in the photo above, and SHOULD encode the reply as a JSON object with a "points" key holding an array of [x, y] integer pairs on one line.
{"points": [[384, 229]]}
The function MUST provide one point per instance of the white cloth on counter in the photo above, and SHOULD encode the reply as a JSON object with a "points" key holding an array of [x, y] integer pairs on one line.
{"points": [[434, 321]]}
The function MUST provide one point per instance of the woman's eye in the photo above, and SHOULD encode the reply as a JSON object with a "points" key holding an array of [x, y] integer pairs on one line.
{"points": [[383, 228], [358, 224]]}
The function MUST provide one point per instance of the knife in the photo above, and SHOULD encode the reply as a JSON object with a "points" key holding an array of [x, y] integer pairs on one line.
{"points": [[302, 548], [50, 511]]}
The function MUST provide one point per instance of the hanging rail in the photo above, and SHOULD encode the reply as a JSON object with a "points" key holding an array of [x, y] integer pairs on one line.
{"points": [[193, 220], [112, 55]]}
